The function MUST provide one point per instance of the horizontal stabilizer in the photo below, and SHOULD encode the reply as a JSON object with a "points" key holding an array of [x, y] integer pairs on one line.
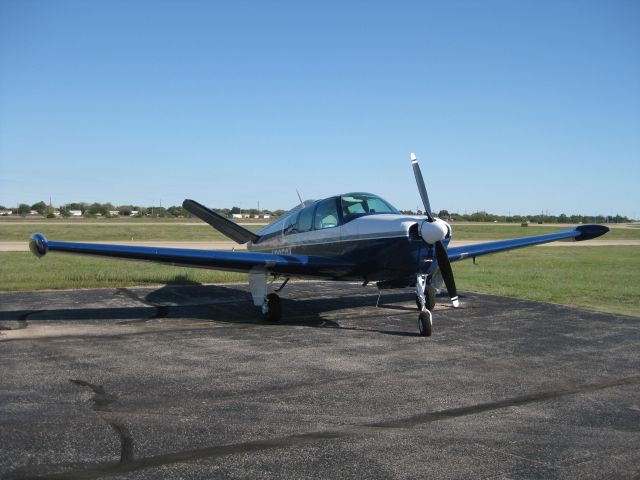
{"points": [[235, 232]]}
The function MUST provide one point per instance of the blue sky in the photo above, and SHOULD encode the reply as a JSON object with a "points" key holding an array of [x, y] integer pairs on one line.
{"points": [[517, 107]]}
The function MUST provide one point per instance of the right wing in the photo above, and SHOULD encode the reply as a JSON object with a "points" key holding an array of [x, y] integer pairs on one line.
{"points": [[298, 265]]}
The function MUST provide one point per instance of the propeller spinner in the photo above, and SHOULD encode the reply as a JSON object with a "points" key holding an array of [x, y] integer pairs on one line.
{"points": [[433, 231]]}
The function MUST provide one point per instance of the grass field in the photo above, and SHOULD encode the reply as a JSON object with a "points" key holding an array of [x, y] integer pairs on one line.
{"points": [[600, 278], [109, 233], [80, 231], [22, 271]]}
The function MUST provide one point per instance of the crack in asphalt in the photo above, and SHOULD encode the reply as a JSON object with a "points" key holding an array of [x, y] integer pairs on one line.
{"points": [[296, 440], [101, 401]]}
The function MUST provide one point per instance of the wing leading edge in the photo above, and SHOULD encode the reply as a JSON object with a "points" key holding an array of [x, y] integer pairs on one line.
{"points": [[299, 265], [579, 233]]}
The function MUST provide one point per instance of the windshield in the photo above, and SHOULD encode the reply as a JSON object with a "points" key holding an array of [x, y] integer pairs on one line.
{"points": [[357, 204]]}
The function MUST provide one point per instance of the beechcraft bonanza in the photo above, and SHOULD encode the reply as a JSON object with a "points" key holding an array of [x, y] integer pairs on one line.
{"points": [[355, 236]]}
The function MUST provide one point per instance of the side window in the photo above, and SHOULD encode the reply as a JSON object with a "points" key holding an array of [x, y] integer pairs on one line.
{"points": [[352, 208], [305, 218], [291, 225], [326, 214], [377, 205]]}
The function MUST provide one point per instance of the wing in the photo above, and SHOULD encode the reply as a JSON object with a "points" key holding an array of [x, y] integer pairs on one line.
{"points": [[579, 233], [298, 265]]}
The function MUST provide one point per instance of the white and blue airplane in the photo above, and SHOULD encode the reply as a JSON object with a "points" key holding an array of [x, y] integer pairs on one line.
{"points": [[354, 236]]}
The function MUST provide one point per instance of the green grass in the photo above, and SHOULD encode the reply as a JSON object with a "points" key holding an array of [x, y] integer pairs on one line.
{"points": [[108, 232], [479, 231], [168, 231], [22, 271], [600, 278]]}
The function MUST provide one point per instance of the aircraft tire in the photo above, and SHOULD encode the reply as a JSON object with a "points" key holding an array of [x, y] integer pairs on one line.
{"points": [[274, 308], [424, 323]]}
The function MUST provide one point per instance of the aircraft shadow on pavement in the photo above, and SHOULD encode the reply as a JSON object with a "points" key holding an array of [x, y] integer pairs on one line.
{"points": [[230, 304]]}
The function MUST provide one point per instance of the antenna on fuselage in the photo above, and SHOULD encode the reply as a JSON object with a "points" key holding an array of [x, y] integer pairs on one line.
{"points": [[299, 197]]}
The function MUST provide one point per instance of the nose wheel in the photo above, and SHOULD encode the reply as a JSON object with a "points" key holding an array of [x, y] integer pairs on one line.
{"points": [[272, 308], [425, 322]]}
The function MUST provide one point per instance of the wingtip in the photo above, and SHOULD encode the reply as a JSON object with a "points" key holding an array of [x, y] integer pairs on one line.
{"points": [[38, 245], [587, 232]]}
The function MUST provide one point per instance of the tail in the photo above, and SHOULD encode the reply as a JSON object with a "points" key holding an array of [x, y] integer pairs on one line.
{"points": [[235, 232]]}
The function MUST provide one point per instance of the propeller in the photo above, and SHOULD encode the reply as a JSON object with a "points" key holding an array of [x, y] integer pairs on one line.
{"points": [[421, 187], [433, 231]]}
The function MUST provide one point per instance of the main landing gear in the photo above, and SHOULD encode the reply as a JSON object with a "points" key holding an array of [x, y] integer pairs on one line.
{"points": [[425, 301], [270, 304], [272, 308]]}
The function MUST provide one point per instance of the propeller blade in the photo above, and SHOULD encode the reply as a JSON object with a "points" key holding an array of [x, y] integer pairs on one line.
{"points": [[421, 187], [447, 273]]}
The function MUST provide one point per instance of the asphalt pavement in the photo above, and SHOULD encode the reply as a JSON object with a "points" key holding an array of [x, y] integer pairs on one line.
{"points": [[190, 382]]}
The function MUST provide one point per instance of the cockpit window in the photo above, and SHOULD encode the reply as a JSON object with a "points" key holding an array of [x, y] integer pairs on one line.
{"points": [[326, 214], [305, 219], [291, 224], [357, 204]]}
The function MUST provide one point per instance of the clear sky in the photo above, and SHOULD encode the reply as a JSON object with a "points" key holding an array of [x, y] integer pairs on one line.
{"points": [[511, 106]]}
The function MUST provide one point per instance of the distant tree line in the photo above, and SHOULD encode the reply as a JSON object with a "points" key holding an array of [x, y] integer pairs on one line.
{"points": [[109, 210], [483, 216]]}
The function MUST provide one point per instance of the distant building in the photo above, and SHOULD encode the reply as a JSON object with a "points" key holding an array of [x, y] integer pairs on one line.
{"points": [[236, 215], [114, 213], [5, 213], [266, 216], [75, 213]]}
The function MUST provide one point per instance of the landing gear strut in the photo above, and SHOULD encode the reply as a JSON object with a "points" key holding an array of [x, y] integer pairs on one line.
{"points": [[425, 294]]}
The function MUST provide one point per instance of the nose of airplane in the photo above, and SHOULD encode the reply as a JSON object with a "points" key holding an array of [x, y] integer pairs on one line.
{"points": [[435, 231]]}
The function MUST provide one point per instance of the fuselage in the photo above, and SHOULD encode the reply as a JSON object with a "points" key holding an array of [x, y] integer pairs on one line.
{"points": [[359, 227]]}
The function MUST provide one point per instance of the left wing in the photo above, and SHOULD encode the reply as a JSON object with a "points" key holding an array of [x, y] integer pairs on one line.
{"points": [[579, 233], [299, 265]]}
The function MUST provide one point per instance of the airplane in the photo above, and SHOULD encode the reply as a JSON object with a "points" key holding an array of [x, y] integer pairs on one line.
{"points": [[354, 236]]}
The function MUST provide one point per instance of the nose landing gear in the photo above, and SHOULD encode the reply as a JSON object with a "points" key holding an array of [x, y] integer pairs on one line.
{"points": [[425, 301]]}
